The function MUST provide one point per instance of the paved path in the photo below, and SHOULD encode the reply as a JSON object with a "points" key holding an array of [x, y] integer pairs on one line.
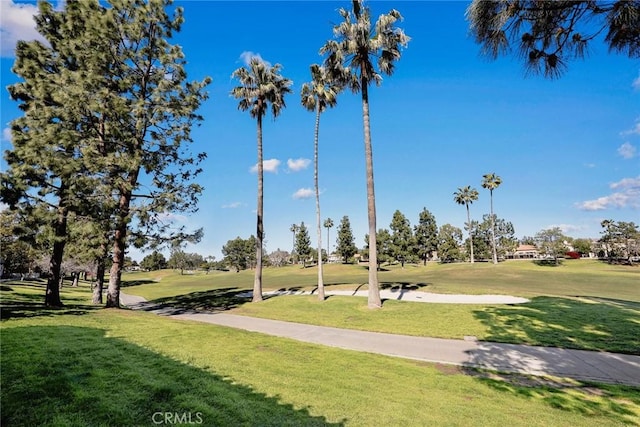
{"points": [[577, 364]]}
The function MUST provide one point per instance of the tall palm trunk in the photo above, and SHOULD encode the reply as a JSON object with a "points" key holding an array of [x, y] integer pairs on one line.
{"points": [[257, 283], [374, 290], [470, 234], [328, 253], [321, 295], [493, 230]]}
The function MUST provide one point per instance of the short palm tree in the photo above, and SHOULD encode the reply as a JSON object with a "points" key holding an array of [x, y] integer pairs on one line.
{"points": [[261, 87], [466, 196], [491, 181], [328, 223], [351, 55], [318, 95]]}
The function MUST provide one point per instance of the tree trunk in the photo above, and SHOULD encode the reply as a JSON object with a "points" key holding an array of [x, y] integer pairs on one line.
{"points": [[100, 270], [328, 253], [115, 274], [470, 235], [120, 242], [493, 230], [374, 290], [257, 283], [52, 296], [99, 283], [321, 295]]}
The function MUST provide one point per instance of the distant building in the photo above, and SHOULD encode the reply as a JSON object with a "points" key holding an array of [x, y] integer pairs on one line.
{"points": [[525, 252]]}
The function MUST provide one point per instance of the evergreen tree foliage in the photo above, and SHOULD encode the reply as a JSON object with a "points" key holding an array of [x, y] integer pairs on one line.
{"points": [[346, 246], [153, 261], [550, 243], [449, 243], [107, 106], [384, 247], [303, 244], [549, 34], [426, 236], [48, 174], [402, 241]]}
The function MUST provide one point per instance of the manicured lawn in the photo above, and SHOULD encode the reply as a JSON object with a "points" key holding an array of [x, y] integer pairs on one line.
{"points": [[581, 304], [83, 366], [520, 278]]}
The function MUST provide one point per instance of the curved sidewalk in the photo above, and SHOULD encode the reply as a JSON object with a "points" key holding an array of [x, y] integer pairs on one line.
{"points": [[577, 364]]}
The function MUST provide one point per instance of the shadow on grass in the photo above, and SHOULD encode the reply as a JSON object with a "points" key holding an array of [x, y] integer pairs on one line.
{"points": [[129, 283], [548, 262], [585, 324], [212, 300], [568, 395], [15, 304], [64, 375]]}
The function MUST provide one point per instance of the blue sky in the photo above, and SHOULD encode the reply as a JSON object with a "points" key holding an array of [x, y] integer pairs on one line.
{"points": [[567, 149]]}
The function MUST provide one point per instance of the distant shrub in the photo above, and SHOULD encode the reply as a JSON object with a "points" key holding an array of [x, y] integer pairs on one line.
{"points": [[573, 255]]}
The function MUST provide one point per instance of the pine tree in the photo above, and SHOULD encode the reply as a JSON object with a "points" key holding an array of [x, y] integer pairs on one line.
{"points": [[346, 244], [426, 235], [49, 176], [303, 244], [401, 237]]}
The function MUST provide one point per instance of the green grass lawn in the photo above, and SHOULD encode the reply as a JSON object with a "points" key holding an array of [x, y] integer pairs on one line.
{"points": [[82, 366], [581, 304], [520, 278]]}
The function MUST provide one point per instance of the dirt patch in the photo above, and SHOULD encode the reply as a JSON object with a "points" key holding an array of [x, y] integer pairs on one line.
{"points": [[447, 369]]}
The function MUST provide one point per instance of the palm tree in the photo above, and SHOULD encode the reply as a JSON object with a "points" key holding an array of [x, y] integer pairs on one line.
{"points": [[261, 87], [320, 94], [350, 61], [491, 181], [466, 196], [328, 223]]}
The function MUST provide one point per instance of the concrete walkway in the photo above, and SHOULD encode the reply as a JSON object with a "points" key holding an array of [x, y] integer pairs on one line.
{"points": [[577, 364]]}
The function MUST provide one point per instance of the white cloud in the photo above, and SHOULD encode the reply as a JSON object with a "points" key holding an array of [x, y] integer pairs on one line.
{"points": [[628, 195], [627, 150], [303, 193], [628, 183], [170, 217], [232, 205], [567, 228], [636, 83], [298, 164], [247, 56], [6, 134], [16, 23], [635, 130], [270, 165]]}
